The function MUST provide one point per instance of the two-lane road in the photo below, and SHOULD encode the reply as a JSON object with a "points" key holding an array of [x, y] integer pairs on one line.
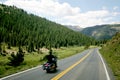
{"points": [[87, 65]]}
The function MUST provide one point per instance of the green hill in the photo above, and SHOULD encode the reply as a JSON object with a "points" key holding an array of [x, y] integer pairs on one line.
{"points": [[111, 52], [33, 35], [102, 32], [18, 28]]}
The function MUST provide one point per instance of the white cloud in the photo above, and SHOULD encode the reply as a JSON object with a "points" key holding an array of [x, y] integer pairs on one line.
{"points": [[45, 7], [115, 7], [89, 18], [116, 13], [64, 13]]}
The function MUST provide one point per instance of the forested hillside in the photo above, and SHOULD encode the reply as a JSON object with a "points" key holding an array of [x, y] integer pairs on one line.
{"points": [[18, 28], [102, 32], [111, 52]]}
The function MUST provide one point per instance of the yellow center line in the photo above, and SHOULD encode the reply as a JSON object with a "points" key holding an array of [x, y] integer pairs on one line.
{"points": [[68, 69]]}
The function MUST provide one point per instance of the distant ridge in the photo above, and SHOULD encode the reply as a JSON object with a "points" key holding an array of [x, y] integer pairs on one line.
{"points": [[75, 28], [102, 32]]}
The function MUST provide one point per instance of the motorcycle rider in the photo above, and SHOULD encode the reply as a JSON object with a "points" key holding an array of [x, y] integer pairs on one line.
{"points": [[51, 58]]}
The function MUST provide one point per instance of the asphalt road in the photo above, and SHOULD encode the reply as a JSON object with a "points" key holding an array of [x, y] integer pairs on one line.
{"points": [[87, 65]]}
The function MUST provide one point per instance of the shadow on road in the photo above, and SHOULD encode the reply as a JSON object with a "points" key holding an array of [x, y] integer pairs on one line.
{"points": [[53, 72]]}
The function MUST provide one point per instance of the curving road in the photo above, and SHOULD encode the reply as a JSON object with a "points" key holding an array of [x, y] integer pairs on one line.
{"points": [[87, 65]]}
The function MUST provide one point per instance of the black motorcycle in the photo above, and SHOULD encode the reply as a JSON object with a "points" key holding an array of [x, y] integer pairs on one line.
{"points": [[49, 67]]}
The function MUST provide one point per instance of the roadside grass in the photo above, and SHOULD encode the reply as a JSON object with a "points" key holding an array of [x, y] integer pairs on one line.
{"points": [[34, 59], [66, 52], [112, 56]]}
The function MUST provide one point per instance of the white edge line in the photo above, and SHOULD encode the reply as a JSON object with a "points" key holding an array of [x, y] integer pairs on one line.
{"points": [[107, 75], [20, 72]]}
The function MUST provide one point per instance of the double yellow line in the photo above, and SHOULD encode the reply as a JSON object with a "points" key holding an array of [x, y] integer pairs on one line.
{"points": [[68, 69]]}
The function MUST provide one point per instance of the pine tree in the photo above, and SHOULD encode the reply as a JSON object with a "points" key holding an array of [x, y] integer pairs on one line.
{"points": [[16, 59]]}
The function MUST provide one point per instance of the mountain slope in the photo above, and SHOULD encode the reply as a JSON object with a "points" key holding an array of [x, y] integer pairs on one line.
{"points": [[111, 52], [17, 28], [101, 32]]}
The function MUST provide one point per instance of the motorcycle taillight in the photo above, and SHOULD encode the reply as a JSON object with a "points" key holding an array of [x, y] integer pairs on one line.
{"points": [[46, 64]]}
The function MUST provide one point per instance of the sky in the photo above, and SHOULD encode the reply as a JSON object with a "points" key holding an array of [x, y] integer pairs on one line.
{"points": [[83, 13]]}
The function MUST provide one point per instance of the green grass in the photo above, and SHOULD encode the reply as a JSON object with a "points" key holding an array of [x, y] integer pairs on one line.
{"points": [[66, 52], [113, 61], [35, 59], [111, 52]]}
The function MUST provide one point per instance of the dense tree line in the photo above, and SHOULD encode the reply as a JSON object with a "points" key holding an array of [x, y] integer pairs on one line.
{"points": [[18, 28]]}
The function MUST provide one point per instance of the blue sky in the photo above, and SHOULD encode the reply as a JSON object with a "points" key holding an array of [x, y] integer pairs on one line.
{"points": [[83, 13], [87, 5]]}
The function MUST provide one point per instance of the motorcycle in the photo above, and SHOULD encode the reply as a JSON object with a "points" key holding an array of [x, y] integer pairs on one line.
{"points": [[49, 67]]}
